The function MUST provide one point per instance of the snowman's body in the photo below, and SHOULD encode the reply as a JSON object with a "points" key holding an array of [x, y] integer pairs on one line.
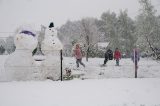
{"points": [[20, 65], [51, 46]]}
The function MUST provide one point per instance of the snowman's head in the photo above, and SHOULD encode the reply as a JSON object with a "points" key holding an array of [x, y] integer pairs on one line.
{"points": [[51, 32], [25, 39], [51, 41]]}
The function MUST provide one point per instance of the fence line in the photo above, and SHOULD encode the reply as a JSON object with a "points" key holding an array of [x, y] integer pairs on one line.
{"points": [[102, 67]]}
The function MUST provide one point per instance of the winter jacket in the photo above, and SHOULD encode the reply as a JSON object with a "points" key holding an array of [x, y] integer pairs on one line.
{"points": [[109, 54], [106, 56], [117, 55], [78, 53]]}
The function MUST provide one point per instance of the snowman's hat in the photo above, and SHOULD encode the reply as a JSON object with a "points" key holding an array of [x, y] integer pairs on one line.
{"points": [[51, 25]]}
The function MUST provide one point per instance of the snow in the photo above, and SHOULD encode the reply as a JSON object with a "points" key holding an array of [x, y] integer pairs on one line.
{"points": [[147, 68], [106, 92], [103, 44], [116, 86], [20, 65], [39, 57], [51, 46]]}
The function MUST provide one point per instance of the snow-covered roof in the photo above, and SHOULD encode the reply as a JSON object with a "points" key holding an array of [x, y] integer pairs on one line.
{"points": [[103, 44]]}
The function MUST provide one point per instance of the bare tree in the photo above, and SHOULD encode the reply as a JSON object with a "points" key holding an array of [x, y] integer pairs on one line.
{"points": [[148, 28], [90, 34]]}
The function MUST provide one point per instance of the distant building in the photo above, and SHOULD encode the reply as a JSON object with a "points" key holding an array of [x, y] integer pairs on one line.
{"points": [[102, 45]]}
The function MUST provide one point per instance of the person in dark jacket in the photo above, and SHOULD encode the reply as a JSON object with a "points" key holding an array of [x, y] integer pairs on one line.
{"points": [[108, 56]]}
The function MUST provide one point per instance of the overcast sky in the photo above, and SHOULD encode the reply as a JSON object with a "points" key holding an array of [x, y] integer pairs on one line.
{"points": [[36, 12]]}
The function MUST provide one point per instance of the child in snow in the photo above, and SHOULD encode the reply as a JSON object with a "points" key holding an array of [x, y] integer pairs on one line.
{"points": [[117, 56], [78, 55]]}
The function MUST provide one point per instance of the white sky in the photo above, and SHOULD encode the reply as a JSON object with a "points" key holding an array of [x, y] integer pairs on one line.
{"points": [[36, 12]]}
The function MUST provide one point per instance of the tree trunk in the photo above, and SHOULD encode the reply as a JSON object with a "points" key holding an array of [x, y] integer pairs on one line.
{"points": [[87, 54]]}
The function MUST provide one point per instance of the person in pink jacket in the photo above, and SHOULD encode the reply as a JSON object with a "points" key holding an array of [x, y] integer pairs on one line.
{"points": [[117, 56], [78, 55]]}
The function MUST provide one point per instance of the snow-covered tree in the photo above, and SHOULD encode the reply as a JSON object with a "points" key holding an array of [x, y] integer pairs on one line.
{"points": [[110, 28], [2, 46], [90, 34], [148, 28], [10, 46], [69, 34], [126, 33]]}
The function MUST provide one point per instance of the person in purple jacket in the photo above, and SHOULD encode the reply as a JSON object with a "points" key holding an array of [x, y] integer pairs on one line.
{"points": [[135, 55]]}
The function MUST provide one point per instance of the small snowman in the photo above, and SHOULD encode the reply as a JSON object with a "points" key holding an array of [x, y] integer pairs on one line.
{"points": [[20, 65], [51, 46]]}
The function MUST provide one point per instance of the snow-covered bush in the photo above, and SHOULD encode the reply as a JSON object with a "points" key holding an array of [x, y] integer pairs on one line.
{"points": [[10, 46], [2, 46]]}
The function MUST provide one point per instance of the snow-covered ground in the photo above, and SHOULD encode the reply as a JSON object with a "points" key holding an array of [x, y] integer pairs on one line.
{"points": [[106, 92], [103, 86], [147, 68]]}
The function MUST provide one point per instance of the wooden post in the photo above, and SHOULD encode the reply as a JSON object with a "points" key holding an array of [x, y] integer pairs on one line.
{"points": [[135, 70], [135, 62], [61, 65]]}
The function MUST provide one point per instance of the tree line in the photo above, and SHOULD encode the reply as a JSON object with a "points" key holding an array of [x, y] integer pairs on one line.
{"points": [[120, 30]]}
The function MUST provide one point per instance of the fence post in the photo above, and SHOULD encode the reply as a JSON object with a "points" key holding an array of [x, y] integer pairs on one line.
{"points": [[135, 62], [135, 70], [61, 65]]}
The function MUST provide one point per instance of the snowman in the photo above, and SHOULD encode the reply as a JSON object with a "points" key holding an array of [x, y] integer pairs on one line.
{"points": [[51, 46], [20, 65]]}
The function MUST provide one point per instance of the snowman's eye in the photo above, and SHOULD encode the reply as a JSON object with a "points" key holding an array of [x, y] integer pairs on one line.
{"points": [[49, 29]]}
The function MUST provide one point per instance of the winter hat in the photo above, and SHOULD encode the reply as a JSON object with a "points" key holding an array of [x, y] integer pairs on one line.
{"points": [[51, 25], [28, 33]]}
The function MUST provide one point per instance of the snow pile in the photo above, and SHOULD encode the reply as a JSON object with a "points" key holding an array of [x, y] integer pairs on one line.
{"points": [[51, 47], [20, 65]]}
